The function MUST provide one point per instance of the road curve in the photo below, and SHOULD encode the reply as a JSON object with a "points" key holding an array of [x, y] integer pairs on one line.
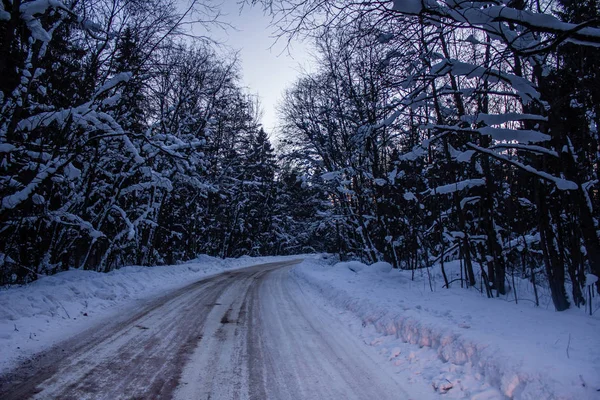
{"points": [[245, 334]]}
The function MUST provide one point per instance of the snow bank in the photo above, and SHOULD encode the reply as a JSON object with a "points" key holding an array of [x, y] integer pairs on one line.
{"points": [[465, 345], [358, 267], [36, 316]]}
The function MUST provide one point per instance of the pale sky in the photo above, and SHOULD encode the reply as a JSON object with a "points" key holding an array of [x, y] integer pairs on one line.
{"points": [[267, 68]]}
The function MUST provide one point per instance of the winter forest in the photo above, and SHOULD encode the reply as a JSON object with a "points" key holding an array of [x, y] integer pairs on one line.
{"points": [[429, 131]]}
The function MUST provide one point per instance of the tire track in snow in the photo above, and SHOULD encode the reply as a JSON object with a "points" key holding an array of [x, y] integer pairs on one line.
{"points": [[246, 334], [268, 340], [137, 356]]}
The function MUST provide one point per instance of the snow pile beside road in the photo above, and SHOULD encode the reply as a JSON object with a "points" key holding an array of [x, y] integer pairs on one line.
{"points": [[35, 316], [466, 346]]}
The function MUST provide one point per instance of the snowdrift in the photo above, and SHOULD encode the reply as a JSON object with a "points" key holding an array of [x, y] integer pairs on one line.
{"points": [[465, 345]]}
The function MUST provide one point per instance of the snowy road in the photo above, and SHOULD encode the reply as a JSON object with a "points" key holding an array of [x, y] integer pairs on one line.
{"points": [[246, 334]]}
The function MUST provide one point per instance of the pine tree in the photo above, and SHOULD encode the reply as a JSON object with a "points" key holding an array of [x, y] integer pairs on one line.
{"points": [[254, 195], [130, 59]]}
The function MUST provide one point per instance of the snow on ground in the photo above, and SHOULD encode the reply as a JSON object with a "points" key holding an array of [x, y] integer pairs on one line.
{"points": [[456, 341], [34, 317], [463, 344]]}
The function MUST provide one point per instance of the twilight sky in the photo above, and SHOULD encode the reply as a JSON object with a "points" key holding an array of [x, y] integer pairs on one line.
{"points": [[267, 68]]}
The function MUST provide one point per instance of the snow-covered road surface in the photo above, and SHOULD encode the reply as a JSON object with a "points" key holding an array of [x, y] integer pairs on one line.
{"points": [[246, 334]]}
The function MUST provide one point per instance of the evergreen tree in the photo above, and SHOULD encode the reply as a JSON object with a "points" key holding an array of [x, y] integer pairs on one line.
{"points": [[259, 191], [129, 58]]}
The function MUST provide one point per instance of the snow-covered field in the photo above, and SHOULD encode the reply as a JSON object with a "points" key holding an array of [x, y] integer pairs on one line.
{"points": [[36, 316], [464, 345]]}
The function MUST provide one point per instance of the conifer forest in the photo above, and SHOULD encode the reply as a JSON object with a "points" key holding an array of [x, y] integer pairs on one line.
{"points": [[428, 131]]}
